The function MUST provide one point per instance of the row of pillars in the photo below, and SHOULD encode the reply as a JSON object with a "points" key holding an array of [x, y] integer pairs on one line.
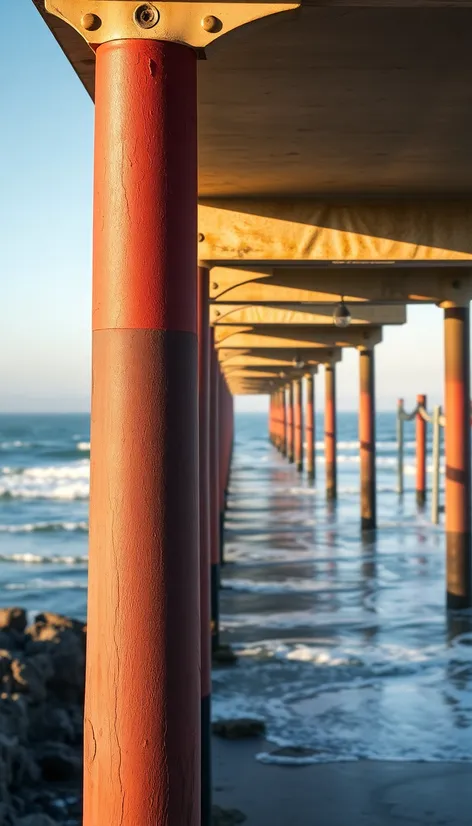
{"points": [[286, 418], [289, 435], [148, 645], [216, 434]]}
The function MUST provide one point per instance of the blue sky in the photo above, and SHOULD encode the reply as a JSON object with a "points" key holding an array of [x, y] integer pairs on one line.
{"points": [[45, 242]]}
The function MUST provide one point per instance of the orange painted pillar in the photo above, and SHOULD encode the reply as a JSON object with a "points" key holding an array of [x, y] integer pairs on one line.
{"points": [[330, 431], [283, 422], [290, 424], [271, 418], [223, 429], [205, 537], [298, 400], [280, 433], [142, 706], [310, 425], [457, 455], [367, 439], [420, 454]]}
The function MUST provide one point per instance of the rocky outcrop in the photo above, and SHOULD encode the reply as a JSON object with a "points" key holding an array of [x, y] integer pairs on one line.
{"points": [[42, 668]]}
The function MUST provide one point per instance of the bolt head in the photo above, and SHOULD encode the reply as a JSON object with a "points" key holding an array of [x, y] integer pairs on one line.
{"points": [[212, 24], [146, 16], [201, 237], [214, 285], [91, 22]]}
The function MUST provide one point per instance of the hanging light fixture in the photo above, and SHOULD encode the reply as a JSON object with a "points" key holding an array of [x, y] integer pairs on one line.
{"points": [[342, 315], [298, 363]]}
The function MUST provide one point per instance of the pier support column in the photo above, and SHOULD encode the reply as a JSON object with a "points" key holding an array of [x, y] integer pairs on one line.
{"points": [[214, 496], [310, 425], [330, 431], [298, 400], [142, 707], [283, 424], [205, 538], [271, 418], [457, 455], [420, 454], [222, 439], [367, 438], [290, 424]]}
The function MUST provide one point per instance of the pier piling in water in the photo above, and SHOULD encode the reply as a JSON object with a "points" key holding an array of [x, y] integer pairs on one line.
{"points": [[457, 456], [205, 537], [367, 438], [290, 424], [310, 425], [298, 419], [330, 431], [214, 497]]}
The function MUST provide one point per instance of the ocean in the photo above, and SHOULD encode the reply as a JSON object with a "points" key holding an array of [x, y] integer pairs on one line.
{"points": [[345, 648]]}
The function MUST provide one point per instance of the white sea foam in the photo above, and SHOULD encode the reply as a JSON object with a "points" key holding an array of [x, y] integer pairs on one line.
{"points": [[16, 443], [45, 527], [40, 584], [83, 446], [38, 559], [53, 482]]}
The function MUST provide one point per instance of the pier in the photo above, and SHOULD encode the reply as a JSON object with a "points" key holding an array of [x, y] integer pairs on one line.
{"points": [[274, 183]]}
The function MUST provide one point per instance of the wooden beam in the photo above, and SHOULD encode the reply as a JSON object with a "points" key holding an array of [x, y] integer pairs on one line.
{"points": [[317, 314], [296, 337], [282, 358], [282, 230], [389, 284]]}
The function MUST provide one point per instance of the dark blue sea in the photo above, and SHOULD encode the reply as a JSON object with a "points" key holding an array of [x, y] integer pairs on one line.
{"points": [[345, 647]]}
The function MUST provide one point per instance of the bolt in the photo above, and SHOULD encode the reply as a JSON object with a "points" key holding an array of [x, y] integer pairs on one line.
{"points": [[201, 237], [146, 16], [214, 286], [91, 22], [217, 313], [212, 24]]}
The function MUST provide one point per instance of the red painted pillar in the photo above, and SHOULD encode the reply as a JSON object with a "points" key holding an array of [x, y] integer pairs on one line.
{"points": [[310, 425], [223, 435], [457, 452], [420, 454], [142, 709], [283, 422], [205, 537], [298, 399], [214, 495], [290, 425], [367, 439], [271, 418], [330, 431]]}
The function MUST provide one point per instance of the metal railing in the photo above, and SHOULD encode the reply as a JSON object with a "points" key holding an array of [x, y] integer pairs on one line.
{"points": [[438, 421]]}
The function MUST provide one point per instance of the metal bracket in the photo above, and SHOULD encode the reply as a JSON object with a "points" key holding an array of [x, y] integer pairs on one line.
{"points": [[193, 24]]}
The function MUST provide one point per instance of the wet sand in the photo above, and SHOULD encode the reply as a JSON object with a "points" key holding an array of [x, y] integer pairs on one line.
{"points": [[363, 793]]}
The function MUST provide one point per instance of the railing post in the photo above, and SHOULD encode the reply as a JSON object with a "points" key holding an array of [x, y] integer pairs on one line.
{"points": [[420, 453], [436, 464], [400, 443]]}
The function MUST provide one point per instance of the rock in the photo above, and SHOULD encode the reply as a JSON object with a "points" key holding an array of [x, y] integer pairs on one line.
{"points": [[53, 723], [64, 641], [36, 820], [13, 619], [58, 762], [224, 655], [31, 675], [239, 729], [226, 817]]}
